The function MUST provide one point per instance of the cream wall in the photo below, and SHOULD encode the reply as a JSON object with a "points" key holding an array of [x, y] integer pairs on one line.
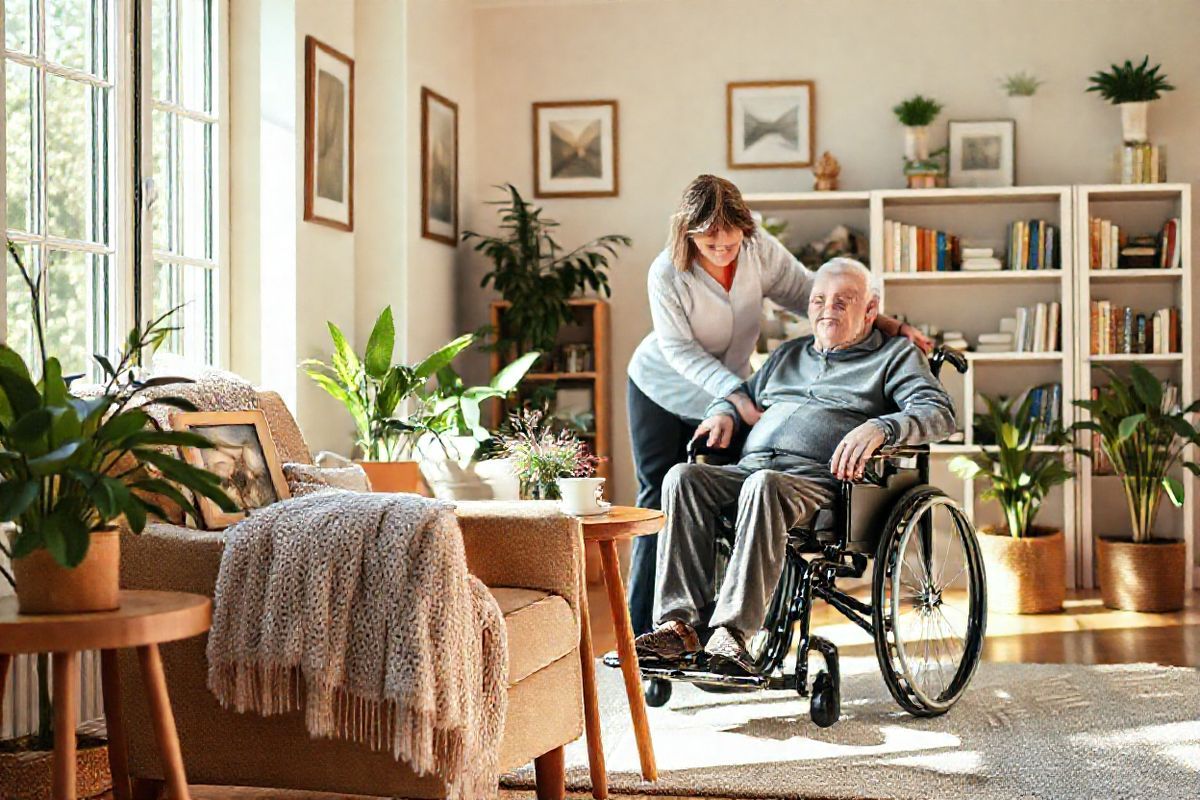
{"points": [[667, 63]]}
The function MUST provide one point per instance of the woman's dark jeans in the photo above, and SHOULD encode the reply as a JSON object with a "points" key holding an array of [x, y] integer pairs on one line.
{"points": [[660, 441]]}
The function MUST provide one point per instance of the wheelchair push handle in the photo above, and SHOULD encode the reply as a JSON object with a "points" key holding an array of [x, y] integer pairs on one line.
{"points": [[943, 354]]}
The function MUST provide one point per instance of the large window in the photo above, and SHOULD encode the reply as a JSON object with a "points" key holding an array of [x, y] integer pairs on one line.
{"points": [[61, 145], [70, 126]]}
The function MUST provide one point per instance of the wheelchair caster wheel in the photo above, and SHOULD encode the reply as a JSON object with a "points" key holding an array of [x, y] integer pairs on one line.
{"points": [[658, 692], [826, 704]]}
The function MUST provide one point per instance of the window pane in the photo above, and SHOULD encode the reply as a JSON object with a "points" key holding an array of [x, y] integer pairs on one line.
{"points": [[195, 187], [75, 35], [162, 49], [192, 291], [19, 93], [77, 304], [76, 160], [20, 305], [18, 23], [195, 56], [164, 182]]}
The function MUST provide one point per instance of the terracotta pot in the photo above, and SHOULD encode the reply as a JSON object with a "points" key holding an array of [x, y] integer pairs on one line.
{"points": [[46, 587], [1145, 576], [395, 476], [1024, 576]]}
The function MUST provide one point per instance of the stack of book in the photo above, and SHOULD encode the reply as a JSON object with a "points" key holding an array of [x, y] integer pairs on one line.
{"points": [[1034, 329], [1104, 243], [1143, 163], [1033, 244], [1119, 329], [911, 248], [1170, 253], [980, 259]]}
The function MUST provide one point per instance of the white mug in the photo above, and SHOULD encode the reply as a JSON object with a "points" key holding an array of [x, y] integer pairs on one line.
{"points": [[581, 496]]}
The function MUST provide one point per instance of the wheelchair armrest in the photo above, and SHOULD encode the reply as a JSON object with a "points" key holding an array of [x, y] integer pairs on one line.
{"points": [[714, 455]]}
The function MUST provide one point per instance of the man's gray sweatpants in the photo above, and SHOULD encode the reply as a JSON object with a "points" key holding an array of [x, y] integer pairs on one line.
{"points": [[774, 493]]}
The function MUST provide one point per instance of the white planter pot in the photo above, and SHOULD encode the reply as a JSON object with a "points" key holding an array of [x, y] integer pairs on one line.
{"points": [[1134, 117], [1019, 105], [916, 143], [452, 472]]}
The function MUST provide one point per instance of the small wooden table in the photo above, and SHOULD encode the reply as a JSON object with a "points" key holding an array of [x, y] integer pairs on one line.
{"points": [[144, 620], [619, 522]]}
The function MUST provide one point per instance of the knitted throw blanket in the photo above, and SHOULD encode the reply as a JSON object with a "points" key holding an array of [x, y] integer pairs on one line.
{"points": [[359, 609]]}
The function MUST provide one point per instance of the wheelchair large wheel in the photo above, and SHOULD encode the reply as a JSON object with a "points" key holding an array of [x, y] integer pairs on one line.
{"points": [[929, 602]]}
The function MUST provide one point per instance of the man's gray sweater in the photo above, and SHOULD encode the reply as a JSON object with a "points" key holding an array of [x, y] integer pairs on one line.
{"points": [[812, 399]]}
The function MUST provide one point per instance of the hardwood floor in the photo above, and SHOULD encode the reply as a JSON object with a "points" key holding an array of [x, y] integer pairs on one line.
{"points": [[1084, 633]]}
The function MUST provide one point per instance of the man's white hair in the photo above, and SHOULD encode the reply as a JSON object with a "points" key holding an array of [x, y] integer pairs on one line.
{"points": [[841, 265]]}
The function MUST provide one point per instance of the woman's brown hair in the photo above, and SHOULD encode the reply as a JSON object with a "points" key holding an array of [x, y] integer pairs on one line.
{"points": [[709, 204]]}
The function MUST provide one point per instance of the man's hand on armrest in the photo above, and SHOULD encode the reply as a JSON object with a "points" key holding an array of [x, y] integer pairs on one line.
{"points": [[855, 450], [719, 430]]}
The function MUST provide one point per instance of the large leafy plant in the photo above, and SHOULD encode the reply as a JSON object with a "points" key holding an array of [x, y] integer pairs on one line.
{"points": [[1018, 476], [455, 409], [536, 275], [71, 465], [1143, 433], [1127, 83], [372, 388]]}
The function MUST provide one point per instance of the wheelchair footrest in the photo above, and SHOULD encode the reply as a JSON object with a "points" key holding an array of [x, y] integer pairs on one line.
{"points": [[693, 672]]}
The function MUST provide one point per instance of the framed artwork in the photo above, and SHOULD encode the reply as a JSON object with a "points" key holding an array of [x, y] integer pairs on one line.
{"points": [[770, 124], [439, 168], [328, 136], [983, 153], [244, 458], [575, 149]]}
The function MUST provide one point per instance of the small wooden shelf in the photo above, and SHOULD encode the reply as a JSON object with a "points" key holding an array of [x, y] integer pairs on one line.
{"points": [[1144, 358], [1120, 275], [958, 197], [957, 277], [560, 376], [1014, 358]]}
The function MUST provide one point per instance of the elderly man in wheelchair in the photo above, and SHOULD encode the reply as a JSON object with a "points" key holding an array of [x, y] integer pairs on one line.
{"points": [[747, 545]]}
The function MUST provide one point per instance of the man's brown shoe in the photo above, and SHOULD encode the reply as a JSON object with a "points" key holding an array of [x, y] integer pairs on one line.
{"points": [[727, 653], [671, 641]]}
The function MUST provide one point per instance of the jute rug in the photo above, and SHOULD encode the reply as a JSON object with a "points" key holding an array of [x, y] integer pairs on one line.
{"points": [[1021, 731]]}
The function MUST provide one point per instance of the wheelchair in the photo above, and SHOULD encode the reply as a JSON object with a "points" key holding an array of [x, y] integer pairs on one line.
{"points": [[928, 607]]}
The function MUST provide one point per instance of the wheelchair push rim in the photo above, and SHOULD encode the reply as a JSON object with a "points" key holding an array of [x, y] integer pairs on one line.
{"points": [[929, 634]]}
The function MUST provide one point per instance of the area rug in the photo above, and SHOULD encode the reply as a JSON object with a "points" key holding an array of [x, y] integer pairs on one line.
{"points": [[1020, 731]]}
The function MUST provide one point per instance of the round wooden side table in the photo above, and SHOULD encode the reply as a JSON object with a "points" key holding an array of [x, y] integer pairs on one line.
{"points": [[144, 620], [618, 523]]}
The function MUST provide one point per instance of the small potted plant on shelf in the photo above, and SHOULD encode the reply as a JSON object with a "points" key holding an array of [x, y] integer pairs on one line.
{"points": [[373, 390], [541, 456], [1025, 562], [536, 275], [1132, 89], [916, 114], [1143, 432], [1020, 88]]}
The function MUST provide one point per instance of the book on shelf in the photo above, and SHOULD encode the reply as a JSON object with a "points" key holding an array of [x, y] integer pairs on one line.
{"points": [[1033, 329], [1121, 330], [911, 248], [1170, 253], [1143, 163], [1033, 244], [1105, 240]]}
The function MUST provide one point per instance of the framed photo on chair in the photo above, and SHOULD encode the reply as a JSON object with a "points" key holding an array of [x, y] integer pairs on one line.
{"points": [[244, 458], [328, 136]]}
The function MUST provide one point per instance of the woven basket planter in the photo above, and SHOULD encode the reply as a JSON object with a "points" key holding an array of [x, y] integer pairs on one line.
{"points": [[1024, 576], [28, 774], [1147, 576]]}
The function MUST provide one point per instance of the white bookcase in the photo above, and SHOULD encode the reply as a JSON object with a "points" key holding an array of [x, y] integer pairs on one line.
{"points": [[1138, 209], [971, 302]]}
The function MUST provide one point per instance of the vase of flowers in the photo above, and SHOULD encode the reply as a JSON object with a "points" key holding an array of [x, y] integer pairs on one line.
{"points": [[540, 455]]}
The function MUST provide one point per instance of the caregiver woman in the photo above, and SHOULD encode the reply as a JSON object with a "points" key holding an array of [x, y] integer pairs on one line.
{"points": [[706, 292]]}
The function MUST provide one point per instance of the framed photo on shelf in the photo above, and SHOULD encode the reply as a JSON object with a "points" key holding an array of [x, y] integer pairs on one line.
{"points": [[576, 150], [244, 458], [328, 136], [983, 153], [770, 124], [439, 168]]}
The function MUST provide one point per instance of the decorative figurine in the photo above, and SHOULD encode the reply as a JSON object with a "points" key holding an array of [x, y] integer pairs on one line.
{"points": [[826, 172]]}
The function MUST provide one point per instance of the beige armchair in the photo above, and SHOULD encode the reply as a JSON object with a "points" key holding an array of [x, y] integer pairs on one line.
{"points": [[529, 556]]}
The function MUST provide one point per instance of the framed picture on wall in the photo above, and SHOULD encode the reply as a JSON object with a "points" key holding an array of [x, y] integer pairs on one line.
{"points": [[439, 168], [328, 136], [983, 153], [243, 456], [575, 149], [770, 124]]}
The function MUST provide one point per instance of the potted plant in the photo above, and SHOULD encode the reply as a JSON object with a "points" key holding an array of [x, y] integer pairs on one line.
{"points": [[541, 456], [1131, 88], [1025, 562], [449, 451], [72, 467], [916, 114], [373, 390], [1143, 433], [1020, 88], [536, 276]]}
